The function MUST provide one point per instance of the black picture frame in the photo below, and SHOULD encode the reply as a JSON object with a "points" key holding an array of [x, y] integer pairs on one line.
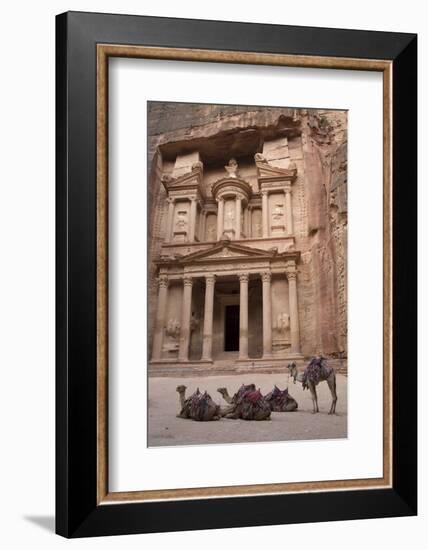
{"points": [[78, 513]]}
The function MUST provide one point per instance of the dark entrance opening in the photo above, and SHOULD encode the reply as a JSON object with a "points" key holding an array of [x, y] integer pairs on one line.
{"points": [[231, 328]]}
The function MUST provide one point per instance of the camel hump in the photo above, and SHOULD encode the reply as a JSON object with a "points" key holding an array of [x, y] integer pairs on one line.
{"points": [[254, 396]]}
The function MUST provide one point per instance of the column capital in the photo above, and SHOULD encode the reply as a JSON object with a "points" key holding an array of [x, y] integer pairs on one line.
{"points": [[219, 199], [243, 277], [291, 270], [163, 281], [170, 200], [193, 199], [210, 279], [264, 193], [266, 276], [187, 281]]}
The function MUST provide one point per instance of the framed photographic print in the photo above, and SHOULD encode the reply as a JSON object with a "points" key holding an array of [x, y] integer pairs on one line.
{"points": [[236, 274]]}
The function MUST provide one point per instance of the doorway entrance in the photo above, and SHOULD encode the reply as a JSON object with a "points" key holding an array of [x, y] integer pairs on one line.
{"points": [[231, 328]]}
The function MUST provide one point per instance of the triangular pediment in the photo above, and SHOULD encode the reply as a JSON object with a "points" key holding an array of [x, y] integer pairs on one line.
{"points": [[268, 171], [192, 178], [226, 250]]}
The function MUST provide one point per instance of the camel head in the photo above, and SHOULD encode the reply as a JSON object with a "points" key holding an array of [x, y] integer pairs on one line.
{"points": [[181, 389], [223, 391], [292, 369]]}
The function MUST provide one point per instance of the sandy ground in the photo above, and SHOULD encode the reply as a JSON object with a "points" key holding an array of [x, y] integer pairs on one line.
{"points": [[165, 429]]}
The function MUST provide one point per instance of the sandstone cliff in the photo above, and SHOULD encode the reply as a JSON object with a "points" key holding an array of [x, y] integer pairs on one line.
{"points": [[317, 144]]}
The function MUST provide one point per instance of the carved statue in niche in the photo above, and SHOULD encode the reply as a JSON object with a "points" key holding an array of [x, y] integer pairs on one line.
{"points": [[277, 214], [180, 226], [181, 221], [229, 217], [211, 228], [173, 329], [171, 343], [256, 223], [232, 168], [281, 327], [282, 322]]}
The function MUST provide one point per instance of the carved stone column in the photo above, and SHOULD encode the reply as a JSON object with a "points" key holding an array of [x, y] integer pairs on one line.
{"points": [[207, 342], [238, 218], [267, 315], [289, 212], [186, 310], [294, 309], [168, 236], [220, 216], [160, 317], [192, 224], [265, 214], [250, 222], [246, 212], [202, 226], [243, 316]]}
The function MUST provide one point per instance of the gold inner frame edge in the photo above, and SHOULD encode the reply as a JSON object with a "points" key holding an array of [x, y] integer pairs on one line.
{"points": [[104, 51]]}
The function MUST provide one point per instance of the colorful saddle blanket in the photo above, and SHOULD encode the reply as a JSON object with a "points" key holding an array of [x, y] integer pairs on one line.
{"points": [[316, 371], [196, 405], [278, 396]]}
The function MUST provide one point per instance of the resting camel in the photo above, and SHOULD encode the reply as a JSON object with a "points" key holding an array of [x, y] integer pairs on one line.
{"points": [[317, 371], [232, 400], [199, 406], [247, 403], [281, 400]]}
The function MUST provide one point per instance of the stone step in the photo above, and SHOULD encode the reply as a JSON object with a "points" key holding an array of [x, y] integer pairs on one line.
{"points": [[227, 366]]}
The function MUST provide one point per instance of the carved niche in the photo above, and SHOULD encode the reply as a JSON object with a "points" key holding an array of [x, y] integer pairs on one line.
{"points": [[256, 223], [181, 223], [229, 218], [277, 216], [211, 227], [281, 331]]}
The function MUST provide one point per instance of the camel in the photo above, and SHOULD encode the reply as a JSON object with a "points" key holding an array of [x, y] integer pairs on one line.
{"points": [[232, 400], [199, 406], [247, 403], [281, 400], [317, 371]]}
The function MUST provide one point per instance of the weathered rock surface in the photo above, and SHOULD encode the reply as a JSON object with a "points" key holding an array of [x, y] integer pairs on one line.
{"points": [[315, 142]]}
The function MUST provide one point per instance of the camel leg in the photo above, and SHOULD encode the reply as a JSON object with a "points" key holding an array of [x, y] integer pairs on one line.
{"points": [[314, 396], [224, 411], [331, 381], [233, 414], [291, 406]]}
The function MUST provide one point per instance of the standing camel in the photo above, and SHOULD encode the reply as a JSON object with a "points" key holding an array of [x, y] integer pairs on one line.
{"points": [[317, 371]]}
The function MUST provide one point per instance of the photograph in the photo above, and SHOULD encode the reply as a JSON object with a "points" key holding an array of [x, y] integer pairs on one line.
{"points": [[247, 273]]}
